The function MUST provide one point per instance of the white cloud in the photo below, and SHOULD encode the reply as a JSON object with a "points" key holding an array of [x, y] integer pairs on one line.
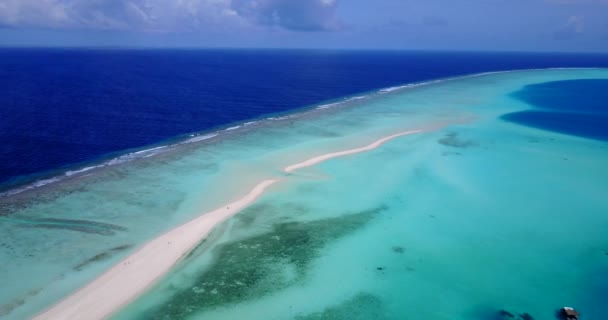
{"points": [[168, 15], [576, 24], [572, 28], [304, 15], [26, 12]]}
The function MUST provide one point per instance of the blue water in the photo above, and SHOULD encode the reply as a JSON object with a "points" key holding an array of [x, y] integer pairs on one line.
{"points": [[59, 107], [575, 107], [458, 222]]}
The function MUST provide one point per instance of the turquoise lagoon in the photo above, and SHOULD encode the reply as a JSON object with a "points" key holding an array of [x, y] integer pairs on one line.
{"points": [[477, 217]]}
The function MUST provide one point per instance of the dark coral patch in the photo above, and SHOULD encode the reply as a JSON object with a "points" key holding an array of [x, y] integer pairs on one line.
{"points": [[363, 306], [398, 249], [503, 314], [86, 226], [452, 140], [251, 268], [526, 316]]}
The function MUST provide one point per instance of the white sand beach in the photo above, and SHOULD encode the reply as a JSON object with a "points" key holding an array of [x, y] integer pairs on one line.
{"points": [[131, 277]]}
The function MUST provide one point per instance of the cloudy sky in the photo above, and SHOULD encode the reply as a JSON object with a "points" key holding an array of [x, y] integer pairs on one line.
{"points": [[527, 25]]}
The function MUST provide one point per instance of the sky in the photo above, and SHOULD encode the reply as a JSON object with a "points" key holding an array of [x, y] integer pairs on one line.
{"points": [[497, 25]]}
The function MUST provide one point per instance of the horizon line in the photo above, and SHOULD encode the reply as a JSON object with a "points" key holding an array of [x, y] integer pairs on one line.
{"points": [[219, 48]]}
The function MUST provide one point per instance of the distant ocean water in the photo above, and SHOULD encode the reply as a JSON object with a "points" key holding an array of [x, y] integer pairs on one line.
{"points": [[61, 107]]}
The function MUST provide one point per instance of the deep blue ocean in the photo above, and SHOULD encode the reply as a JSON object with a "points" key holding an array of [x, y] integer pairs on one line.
{"points": [[60, 107]]}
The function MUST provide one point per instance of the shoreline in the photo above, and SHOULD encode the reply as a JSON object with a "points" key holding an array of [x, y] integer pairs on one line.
{"points": [[127, 280]]}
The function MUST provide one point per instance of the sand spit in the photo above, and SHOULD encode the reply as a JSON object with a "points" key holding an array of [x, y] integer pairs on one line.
{"points": [[131, 277], [325, 157]]}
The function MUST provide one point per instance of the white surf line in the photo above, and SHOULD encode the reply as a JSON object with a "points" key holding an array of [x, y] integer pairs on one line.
{"points": [[131, 277], [325, 157], [128, 279]]}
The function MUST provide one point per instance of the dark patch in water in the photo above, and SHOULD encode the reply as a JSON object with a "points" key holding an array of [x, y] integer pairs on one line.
{"points": [[452, 140], [251, 214], [559, 314], [593, 126], [505, 314], [489, 313], [251, 268], [102, 256], [596, 288], [582, 95], [363, 306], [526, 316], [86, 226], [9, 307], [574, 107], [84, 229], [398, 249], [324, 133], [247, 220]]}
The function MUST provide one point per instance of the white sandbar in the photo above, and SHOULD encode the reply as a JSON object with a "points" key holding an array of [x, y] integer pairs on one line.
{"points": [[325, 157], [131, 277]]}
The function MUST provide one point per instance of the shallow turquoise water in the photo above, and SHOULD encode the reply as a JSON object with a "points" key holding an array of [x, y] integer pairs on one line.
{"points": [[456, 223]]}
